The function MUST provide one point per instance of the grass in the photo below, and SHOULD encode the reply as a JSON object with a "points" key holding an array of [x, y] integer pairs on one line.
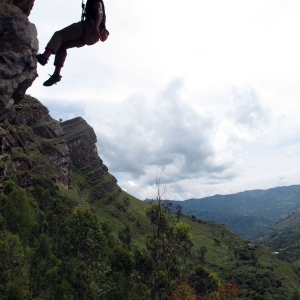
{"points": [[255, 271], [224, 248], [116, 206], [223, 256]]}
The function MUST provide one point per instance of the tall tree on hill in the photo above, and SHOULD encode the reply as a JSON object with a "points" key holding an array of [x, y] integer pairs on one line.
{"points": [[169, 244], [19, 214], [85, 255], [13, 275]]}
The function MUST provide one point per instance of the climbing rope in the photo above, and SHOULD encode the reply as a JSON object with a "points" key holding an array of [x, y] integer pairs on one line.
{"points": [[83, 9]]}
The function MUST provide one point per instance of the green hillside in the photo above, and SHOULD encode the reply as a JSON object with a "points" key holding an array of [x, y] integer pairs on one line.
{"points": [[284, 238], [256, 271], [39, 226]]}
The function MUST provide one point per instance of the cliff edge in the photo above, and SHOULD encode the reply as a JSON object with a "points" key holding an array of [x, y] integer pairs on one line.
{"points": [[18, 47], [32, 144]]}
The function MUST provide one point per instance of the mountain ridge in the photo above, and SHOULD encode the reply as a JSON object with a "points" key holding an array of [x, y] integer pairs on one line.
{"points": [[258, 206]]}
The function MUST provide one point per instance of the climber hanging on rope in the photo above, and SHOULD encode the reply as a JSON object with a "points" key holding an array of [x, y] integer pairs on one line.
{"points": [[87, 32]]}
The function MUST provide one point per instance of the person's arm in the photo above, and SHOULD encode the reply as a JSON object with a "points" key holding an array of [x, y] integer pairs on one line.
{"points": [[98, 19]]}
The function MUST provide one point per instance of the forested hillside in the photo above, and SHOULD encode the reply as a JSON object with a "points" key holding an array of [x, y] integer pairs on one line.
{"points": [[284, 239], [52, 246]]}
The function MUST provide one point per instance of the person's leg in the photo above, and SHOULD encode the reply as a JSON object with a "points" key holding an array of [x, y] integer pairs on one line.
{"points": [[72, 32], [61, 53], [47, 53], [60, 58], [57, 70]]}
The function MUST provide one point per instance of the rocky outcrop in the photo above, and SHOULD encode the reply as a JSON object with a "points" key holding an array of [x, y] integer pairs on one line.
{"points": [[28, 113], [24, 5], [81, 140], [18, 46], [32, 145]]}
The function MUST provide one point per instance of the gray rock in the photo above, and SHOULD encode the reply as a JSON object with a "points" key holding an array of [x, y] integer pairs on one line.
{"points": [[24, 5], [18, 47]]}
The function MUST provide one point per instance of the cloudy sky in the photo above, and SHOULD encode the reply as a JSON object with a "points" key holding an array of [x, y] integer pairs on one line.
{"points": [[204, 94]]}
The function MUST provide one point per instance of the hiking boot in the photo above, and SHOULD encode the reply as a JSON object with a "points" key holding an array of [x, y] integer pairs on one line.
{"points": [[52, 80], [41, 59]]}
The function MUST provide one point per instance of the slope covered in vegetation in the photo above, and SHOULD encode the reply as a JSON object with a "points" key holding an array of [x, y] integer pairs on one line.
{"points": [[284, 238], [52, 244], [68, 231]]}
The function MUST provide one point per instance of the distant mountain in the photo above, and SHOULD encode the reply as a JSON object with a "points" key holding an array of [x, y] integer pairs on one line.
{"points": [[248, 213]]}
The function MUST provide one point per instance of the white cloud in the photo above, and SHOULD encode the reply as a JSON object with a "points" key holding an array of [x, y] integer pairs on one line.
{"points": [[145, 135], [249, 110], [204, 136], [162, 132]]}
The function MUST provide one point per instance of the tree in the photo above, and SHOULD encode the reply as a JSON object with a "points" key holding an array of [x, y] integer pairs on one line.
{"points": [[20, 216], [227, 291], [169, 244], [9, 186], [13, 275], [203, 281], [178, 212], [125, 235], [184, 292], [122, 269], [295, 296], [201, 253], [85, 255]]}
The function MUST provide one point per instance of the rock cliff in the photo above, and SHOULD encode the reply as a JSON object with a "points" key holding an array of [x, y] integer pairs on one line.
{"points": [[33, 145], [24, 5], [18, 46], [81, 139]]}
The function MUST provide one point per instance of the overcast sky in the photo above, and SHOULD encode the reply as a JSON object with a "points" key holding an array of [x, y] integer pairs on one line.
{"points": [[203, 93]]}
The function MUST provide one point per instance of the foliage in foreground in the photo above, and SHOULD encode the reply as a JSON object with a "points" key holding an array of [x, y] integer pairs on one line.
{"points": [[50, 248]]}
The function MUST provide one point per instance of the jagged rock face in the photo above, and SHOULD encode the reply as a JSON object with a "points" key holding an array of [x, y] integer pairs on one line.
{"points": [[24, 5], [32, 145], [28, 112], [81, 140], [18, 46]]}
